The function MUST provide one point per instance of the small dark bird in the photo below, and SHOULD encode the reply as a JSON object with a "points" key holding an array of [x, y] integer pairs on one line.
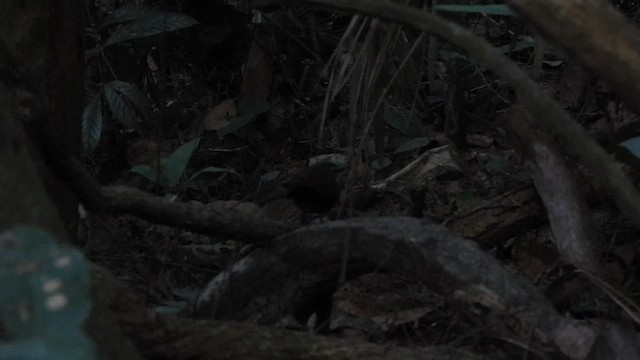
{"points": [[315, 189]]}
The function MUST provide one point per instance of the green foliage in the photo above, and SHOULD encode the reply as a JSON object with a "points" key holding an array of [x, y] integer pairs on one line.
{"points": [[213, 170], [118, 102], [138, 21], [398, 121], [497, 165], [466, 200], [247, 113], [125, 101], [628, 151], [378, 165], [130, 13], [633, 146], [92, 123], [172, 167], [44, 298], [270, 176], [412, 144]]}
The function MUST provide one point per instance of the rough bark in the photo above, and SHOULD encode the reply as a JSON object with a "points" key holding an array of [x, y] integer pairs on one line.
{"points": [[190, 216], [573, 231], [45, 43], [410, 248], [26, 202], [41, 72], [176, 338], [24, 199]]}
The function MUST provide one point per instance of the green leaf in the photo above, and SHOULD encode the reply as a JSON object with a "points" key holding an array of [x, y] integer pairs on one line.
{"points": [[397, 121], [130, 13], [171, 309], [149, 26], [497, 165], [172, 167], [134, 95], [633, 145], [499, 9], [378, 166], [146, 171], [247, 113], [466, 200], [45, 297], [92, 123], [122, 110], [214, 170], [413, 144], [270, 176]]}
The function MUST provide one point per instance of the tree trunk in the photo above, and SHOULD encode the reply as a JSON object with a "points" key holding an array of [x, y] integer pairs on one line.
{"points": [[45, 41], [41, 94]]}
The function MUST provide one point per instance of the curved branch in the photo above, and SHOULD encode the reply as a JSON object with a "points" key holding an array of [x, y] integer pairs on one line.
{"points": [[534, 100], [121, 199]]}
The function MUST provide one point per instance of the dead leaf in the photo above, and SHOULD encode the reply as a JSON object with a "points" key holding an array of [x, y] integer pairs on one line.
{"points": [[218, 117]]}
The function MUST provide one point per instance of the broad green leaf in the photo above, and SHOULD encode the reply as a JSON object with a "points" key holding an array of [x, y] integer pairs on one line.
{"points": [[413, 144], [217, 248], [397, 121], [247, 113], [377, 165], [496, 9], [45, 297], [146, 171], [214, 170], [633, 145], [466, 200], [134, 95], [270, 176], [338, 160], [172, 167], [122, 109], [92, 123], [130, 13], [171, 309], [149, 26], [497, 165]]}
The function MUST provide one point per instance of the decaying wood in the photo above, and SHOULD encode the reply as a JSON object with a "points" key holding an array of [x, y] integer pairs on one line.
{"points": [[412, 249], [161, 337], [567, 211], [122, 199], [500, 218]]}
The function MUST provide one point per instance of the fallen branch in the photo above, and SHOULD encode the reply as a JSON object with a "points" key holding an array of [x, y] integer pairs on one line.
{"points": [[573, 231], [412, 249], [167, 337]]}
